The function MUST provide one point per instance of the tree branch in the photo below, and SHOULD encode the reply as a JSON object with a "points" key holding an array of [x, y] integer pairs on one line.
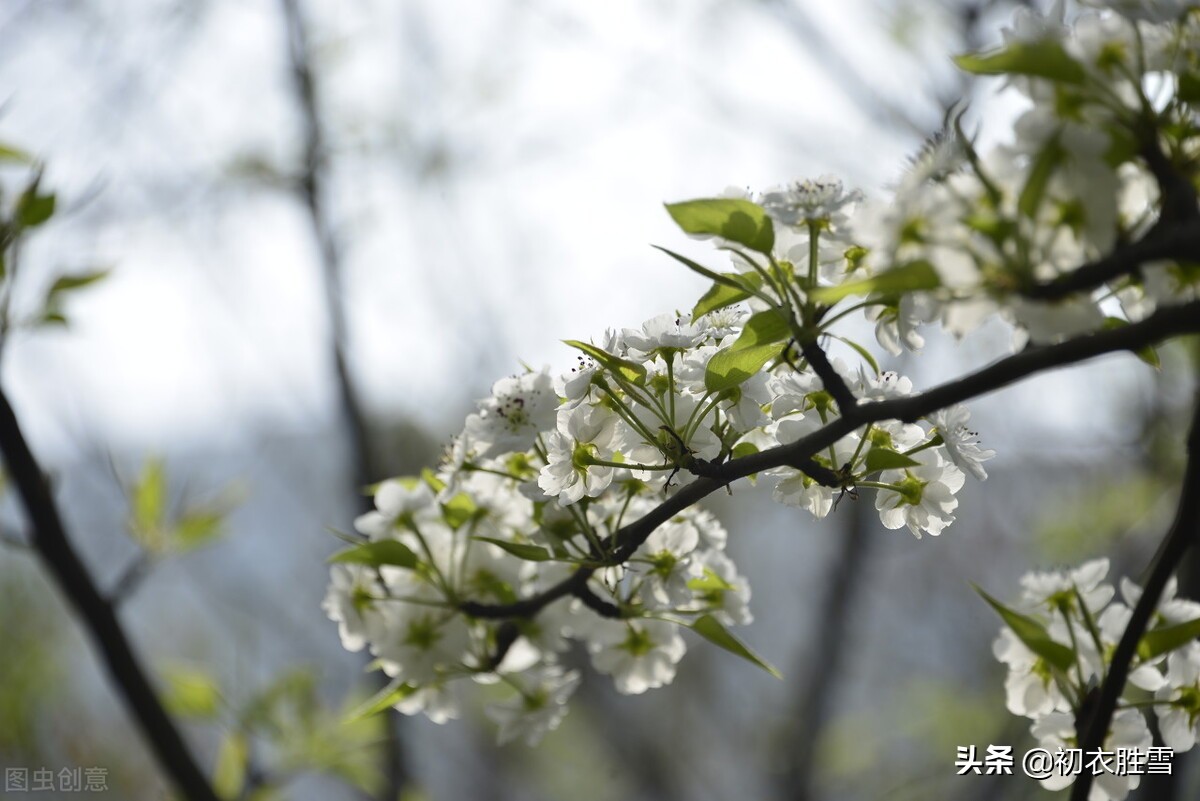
{"points": [[49, 540], [833, 382], [1165, 241], [312, 191], [1184, 532], [1163, 324]]}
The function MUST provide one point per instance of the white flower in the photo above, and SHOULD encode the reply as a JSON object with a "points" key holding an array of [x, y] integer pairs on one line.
{"points": [[1051, 591], [925, 499], [540, 706], [664, 331], [348, 602], [511, 418], [639, 654], [1029, 689], [585, 433], [395, 500], [959, 441], [662, 563], [1180, 722], [417, 645], [1129, 732], [809, 201], [723, 592]]}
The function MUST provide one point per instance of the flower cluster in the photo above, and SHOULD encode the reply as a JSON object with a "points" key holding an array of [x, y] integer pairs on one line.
{"points": [[1058, 644], [565, 511], [984, 234]]}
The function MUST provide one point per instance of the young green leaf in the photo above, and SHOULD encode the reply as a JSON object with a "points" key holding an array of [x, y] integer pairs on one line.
{"points": [[911, 277], [34, 209], [233, 757], [631, 371], [888, 459], [729, 218], [711, 629], [190, 693], [1167, 638], [1045, 58], [764, 328], [385, 699], [459, 510], [731, 367], [377, 554], [1032, 633], [530, 553]]}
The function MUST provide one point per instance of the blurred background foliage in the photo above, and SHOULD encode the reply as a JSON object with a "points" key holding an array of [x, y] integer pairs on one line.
{"points": [[280, 247]]}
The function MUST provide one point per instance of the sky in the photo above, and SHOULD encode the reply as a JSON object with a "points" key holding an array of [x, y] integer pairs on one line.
{"points": [[499, 174]]}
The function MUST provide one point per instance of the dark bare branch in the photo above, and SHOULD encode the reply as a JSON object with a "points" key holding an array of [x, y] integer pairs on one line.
{"points": [[49, 539]]}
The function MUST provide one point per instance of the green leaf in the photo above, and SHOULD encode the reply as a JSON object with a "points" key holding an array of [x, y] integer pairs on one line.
{"points": [[763, 328], [711, 629], [34, 209], [459, 510], [9, 153], [229, 775], [1039, 176], [631, 371], [1148, 354], [383, 700], [377, 554], [708, 582], [912, 277], [730, 367], [1166, 639], [66, 283], [530, 553], [196, 529], [148, 502], [430, 478], [190, 693], [1189, 87], [861, 351], [888, 459], [1032, 633], [729, 218], [1045, 58]]}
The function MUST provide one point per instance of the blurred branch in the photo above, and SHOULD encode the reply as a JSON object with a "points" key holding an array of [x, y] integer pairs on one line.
{"points": [[312, 189], [130, 579], [825, 651], [882, 109], [50, 540], [1184, 531]]}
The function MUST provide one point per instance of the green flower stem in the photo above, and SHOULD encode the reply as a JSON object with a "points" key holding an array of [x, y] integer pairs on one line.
{"points": [[437, 571], [628, 416]]}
